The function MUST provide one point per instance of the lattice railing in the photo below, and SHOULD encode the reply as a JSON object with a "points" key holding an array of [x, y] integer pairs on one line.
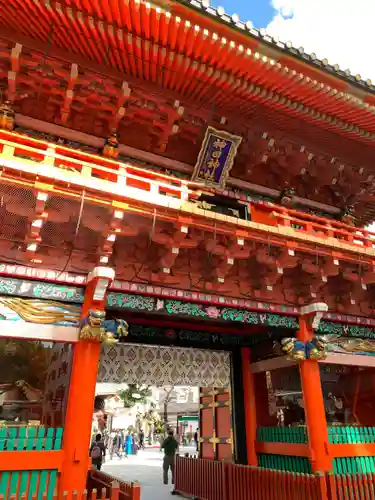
{"points": [[30, 438], [79, 169]]}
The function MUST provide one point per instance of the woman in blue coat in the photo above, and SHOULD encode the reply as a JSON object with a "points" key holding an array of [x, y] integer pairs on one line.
{"points": [[129, 444]]}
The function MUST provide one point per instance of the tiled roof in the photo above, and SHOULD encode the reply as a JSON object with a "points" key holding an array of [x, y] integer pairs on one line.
{"points": [[235, 22]]}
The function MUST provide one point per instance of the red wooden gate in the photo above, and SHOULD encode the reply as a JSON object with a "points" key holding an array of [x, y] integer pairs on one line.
{"points": [[216, 432]]}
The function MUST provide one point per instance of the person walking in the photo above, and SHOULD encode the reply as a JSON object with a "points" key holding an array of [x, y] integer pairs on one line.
{"points": [[134, 445], [196, 440], [141, 440], [129, 444], [97, 452], [170, 447], [116, 445]]}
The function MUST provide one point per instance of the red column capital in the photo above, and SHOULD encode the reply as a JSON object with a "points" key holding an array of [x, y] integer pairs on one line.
{"points": [[310, 317], [98, 282]]}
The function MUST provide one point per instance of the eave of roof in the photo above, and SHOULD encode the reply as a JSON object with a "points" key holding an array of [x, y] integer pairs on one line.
{"points": [[328, 100], [235, 23]]}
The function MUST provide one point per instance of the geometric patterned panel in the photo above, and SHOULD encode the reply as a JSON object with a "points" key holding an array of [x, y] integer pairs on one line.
{"points": [[156, 365]]}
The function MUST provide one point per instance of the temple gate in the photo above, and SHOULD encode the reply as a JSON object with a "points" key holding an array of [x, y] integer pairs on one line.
{"points": [[172, 177]]}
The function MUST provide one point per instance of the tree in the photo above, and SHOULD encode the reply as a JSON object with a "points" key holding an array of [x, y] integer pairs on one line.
{"points": [[154, 423], [169, 396], [28, 360], [134, 394]]}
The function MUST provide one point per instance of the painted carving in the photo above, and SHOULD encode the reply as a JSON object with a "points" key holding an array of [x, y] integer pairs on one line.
{"points": [[286, 197], [299, 351], [347, 215], [92, 326], [111, 147], [41, 290], [59, 293], [333, 328], [118, 328], [46, 312], [95, 328], [7, 116], [126, 301], [345, 345]]}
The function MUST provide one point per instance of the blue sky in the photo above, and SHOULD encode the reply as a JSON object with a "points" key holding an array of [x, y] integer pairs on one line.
{"points": [[259, 12]]}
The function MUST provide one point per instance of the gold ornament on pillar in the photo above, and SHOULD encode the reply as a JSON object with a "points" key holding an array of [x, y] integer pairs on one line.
{"points": [[111, 146], [7, 116], [347, 215], [92, 326], [96, 328], [297, 350]]}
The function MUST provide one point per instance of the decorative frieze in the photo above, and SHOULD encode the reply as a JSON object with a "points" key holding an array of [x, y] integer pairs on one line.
{"points": [[182, 309]]}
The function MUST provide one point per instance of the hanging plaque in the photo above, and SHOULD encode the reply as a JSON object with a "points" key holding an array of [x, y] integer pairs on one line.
{"points": [[216, 157]]}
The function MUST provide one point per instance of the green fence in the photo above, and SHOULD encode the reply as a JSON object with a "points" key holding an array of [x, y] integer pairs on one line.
{"points": [[298, 435], [284, 462], [294, 435], [354, 465], [351, 435], [30, 438], [336, 435], [42, 484]]}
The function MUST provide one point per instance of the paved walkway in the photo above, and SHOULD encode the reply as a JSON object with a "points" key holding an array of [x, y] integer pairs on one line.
{"points": [[146, 467]]}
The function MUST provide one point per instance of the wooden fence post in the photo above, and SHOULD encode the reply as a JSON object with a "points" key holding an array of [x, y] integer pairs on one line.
{"points": [[136, 491], [115, 490], [322, 486], [224, 480], [331, 485]]}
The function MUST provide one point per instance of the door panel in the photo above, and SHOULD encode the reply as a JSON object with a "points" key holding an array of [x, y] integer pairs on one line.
{"points": [[216, 431]]}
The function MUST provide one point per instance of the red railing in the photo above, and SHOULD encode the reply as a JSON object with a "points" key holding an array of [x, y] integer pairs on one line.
{"points": [[352, 487], [200, 478], [100, 481], [323, 228], [208, 480], [252, 483], [25, 154], [29, 156]]}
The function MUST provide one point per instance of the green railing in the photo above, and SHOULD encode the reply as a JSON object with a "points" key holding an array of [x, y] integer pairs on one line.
{"points": [[36, 484], [294, 435], [30, 438], [354, 465], [351, 435], [336, 435], [298, 435], [286, 463]]}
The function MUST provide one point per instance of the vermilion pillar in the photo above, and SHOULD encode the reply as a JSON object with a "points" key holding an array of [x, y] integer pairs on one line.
{"points": [[78, 420], [313, 394], [250, 408]]}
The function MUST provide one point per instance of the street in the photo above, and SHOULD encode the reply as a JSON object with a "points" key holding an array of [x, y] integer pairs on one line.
{"points": [[146, 467]]}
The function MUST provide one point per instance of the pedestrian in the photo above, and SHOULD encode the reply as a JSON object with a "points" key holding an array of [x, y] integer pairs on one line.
{"points": [[134, 445], [196, 440], [129, 444], [97, 452], [116, 445], [170, 446], [141, 440]]}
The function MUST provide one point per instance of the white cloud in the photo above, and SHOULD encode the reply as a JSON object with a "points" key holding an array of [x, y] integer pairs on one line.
{"points": [[340, 30]]}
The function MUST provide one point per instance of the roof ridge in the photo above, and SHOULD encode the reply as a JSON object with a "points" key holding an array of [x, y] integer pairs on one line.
{"points": [[261, 34]]}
